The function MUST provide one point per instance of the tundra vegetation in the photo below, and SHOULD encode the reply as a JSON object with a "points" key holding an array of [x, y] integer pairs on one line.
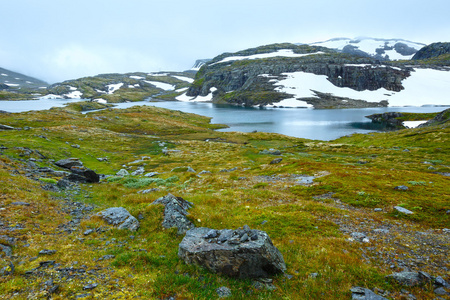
{"points": [[311, 223]]}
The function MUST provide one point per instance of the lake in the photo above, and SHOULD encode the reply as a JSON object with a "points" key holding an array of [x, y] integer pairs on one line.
{"points": [[320, 124]]}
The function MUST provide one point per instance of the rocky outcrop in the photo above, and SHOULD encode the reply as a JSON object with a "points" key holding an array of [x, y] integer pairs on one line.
{"points": [[242, 253], [441, 118], [79, 173], [251, 82], [432, 50], [119, 217], [360, 293], [388, 119], [175, 213]]}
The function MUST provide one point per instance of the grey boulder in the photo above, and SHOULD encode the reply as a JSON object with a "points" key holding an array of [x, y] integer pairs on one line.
{"points": [[119, 217], [360, 293], [175, 213], [236, 255]]}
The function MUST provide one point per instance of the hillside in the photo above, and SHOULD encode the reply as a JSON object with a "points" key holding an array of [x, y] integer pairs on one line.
{"points": [[331, 208], [17, 86], [287, 75]]}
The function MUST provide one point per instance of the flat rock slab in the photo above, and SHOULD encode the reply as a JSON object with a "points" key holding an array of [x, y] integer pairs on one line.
{"points": [[175, 213], [242, 253], [119, 217]]}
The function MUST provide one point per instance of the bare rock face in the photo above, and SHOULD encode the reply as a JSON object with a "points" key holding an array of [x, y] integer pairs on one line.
{"points": [[119, 217], [175, 213], [241, 253]]}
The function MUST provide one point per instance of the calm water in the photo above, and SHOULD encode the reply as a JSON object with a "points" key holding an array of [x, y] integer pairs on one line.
{"points": [[321, 124]]}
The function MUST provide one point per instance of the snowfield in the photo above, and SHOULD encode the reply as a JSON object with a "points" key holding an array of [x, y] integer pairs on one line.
{"points": [[161, 85], [183, 78], [114, 87], [74, 95], [206, 98], [423, 87], [279, 53]]}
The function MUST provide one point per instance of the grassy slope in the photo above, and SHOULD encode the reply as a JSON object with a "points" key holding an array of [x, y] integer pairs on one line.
{"points": [[362, 170]]}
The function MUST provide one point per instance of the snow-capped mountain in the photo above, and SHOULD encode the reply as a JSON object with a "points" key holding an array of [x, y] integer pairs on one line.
{"points": [[10, 80], [383, 49]]}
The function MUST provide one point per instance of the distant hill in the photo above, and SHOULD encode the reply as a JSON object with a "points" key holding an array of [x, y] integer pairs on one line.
{"points": [[382, 49], [14, 81], [432, 51]]}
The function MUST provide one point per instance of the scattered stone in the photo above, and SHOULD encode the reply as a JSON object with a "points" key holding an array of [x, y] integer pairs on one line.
{"points": [[403, 210], [211, 234], [148, 191], [313, 275], [360, 237], [410, 278], [264, 283], [228, 255], [441, 291], [139, 171], [151, 174], [20, 203], [271, 152], [69, 163], [122, 173], [223, 292], [360, 293], [47, 263], [88, 232], [228, 170], [102, 159], [7, 270], [378, 209], [120, 217], [6, 127], [382, 231], [401, 188], [47, 252], [204, 172], [276, 161], [440, 281], [175, 213], [90, 286]]}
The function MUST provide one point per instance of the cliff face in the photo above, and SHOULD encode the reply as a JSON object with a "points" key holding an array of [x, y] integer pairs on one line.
{"points": [[253, 81]]}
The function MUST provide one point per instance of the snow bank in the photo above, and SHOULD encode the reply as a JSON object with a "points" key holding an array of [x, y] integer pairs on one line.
{"points": [[12, 84], [183, 78], [206, 98], [279, 53], [100, 100], [423, 87], [74, 95], [413, 124], [137, 77], [3, 74], [113, 87], [161, 85], [51, 96]]}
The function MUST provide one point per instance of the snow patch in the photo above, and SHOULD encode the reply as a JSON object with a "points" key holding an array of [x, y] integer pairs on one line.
{"points": [[100, 100], [137, 77], [3, 74], [158, 74], [113, 87], [206, 98], [161, 85], [279, 53], [72, 88], [74, 95], [183, 78], [413, 124], [182, 90], [12, 84], [51, 96]]}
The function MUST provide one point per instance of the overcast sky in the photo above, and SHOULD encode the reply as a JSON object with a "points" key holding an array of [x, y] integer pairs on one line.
{"points": [[56, 40]]}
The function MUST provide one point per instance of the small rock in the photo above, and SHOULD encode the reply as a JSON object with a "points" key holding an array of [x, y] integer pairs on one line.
{"points": [[90, 286], [276, 161], [211, 234], [410, 278], [7, 270], [46, 263], [139, 171], [69, 163], [20, 203], [359, 236], [204, 172], [6, 127], [401, 188], [47, 252], [403, 210], [378, 209], [120, 217], [151, 174], [441, 291], [122, 173], [223, 292], [313, 275], [88, 232], [360, 293], [440, 281]]}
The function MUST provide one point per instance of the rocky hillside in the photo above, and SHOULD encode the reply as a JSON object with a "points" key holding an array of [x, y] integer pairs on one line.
{"points": [[382, 49], [287, 75], [435, 50], [123, 87], [16, 86]]}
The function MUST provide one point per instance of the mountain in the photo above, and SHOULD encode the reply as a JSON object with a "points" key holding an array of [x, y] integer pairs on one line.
{"points": [[382, 49], [10, 80], [288, 75]]}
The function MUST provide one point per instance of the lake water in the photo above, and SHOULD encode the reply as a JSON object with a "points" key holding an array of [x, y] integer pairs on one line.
{"points": [[320, 124]]}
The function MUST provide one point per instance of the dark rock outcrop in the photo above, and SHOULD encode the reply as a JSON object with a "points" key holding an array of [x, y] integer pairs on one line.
{"points": [[175, 213], [119, 217], [360, 293], [432, 50], [241, 253], [441, 118], [388, 119], [79, 173], [410, 278], [69, 163]]}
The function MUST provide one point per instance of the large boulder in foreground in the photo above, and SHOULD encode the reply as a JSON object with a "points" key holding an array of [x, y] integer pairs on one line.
{"points": [[119, 217], [241, 253]]}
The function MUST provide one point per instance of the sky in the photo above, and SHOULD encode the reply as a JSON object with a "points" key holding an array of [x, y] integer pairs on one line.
{"points": [[57, 40]]}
